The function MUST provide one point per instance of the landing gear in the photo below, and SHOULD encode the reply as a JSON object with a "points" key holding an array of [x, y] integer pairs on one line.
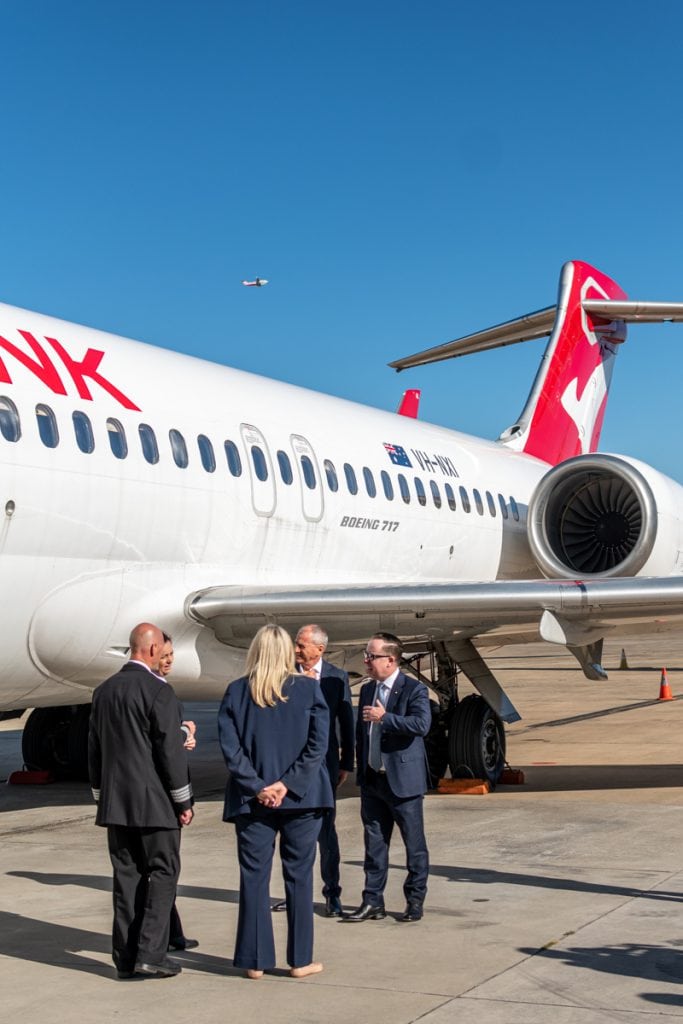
{"points": [[56, 740], [467, 736]]}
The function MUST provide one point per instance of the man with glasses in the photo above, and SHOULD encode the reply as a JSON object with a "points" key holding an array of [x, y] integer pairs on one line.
{"points": [[393, 716]]}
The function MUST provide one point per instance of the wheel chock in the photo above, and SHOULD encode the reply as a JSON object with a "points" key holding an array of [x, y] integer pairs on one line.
{"points": [[464, 787], [511, 777], [26, 777]]}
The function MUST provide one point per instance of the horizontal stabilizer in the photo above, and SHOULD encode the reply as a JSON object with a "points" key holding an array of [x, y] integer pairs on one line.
{"points": [[524, 328], [635, 312], [540, 324]]}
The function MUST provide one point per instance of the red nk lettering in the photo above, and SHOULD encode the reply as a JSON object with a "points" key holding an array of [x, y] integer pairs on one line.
{"points": [[42, 366], [80, 371], [88, 367]]}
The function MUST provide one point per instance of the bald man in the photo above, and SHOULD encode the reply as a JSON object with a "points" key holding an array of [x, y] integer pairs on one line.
{"points": [[140, 781]]}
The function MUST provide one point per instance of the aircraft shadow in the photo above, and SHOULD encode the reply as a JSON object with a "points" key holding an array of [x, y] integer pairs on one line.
{"points": [[487, 876], [567, 778], [652, 963], [103, 883]]}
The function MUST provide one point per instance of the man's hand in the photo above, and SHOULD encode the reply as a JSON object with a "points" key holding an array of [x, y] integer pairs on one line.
{"points": [[272, 795], [343, 776], [190, 743], [185, 817], [373, 712]]}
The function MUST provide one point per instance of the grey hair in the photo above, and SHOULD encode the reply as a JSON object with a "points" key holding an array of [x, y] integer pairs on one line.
{"points": [[318, 634]]}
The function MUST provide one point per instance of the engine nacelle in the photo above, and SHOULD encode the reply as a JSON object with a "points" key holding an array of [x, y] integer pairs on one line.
{"points": [[606, 515]]}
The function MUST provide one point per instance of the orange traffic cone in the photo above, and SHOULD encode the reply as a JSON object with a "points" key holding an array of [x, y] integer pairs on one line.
{"points": [[664, 688]]}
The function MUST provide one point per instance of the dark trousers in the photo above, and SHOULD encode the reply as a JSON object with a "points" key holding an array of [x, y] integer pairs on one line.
{"points": [[330, 857], [175, 931], [256, 834], [146, 864], [380, 809]]}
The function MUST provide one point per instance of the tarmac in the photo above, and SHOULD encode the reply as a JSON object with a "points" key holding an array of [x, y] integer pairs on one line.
{"points": [[560, 900]]}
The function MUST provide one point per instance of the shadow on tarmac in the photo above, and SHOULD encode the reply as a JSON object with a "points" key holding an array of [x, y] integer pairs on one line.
{"points": [[103, 883], [630, 959], [43, 942], [567, 778], [453, 873], [486, 876]]}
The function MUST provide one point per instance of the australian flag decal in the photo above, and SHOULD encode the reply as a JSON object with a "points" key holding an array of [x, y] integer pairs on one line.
{"points": [[398, 455]]}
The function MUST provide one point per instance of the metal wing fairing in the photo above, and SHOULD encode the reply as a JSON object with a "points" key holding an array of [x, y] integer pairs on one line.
{"points": [[571, 612]]}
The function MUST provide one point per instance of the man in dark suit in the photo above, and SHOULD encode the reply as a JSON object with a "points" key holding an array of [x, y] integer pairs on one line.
{"points": [[393, 717], [140, 780], [309, 647]]}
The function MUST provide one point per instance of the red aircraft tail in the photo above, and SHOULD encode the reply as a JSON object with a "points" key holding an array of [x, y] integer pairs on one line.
{"points": [[564, 412]]}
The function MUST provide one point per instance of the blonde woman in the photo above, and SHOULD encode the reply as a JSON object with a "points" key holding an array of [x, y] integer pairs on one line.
{"points": [[273, 729]]}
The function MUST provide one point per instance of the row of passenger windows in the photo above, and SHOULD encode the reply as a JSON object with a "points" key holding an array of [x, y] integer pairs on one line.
{"points": [[10, 428]]}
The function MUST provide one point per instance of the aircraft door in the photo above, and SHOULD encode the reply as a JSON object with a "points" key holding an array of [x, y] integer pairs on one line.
{"points": [[260, 470], [312, 501]]}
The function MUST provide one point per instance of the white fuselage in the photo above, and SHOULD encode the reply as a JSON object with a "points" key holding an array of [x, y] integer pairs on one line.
{"points": [[92, 543]]}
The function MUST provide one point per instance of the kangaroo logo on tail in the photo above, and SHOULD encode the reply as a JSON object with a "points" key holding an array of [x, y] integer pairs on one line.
{"points": [[565, 410]]}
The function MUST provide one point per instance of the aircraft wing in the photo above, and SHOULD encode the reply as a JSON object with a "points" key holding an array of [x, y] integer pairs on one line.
{"points": [[570, 612]]}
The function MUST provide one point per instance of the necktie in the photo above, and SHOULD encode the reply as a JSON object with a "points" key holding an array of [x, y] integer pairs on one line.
{"points": [[375, 749]]}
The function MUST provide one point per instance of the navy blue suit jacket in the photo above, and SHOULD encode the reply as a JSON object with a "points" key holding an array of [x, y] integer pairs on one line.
{"points": [[334, 683], [284, 743], [407, 719]]}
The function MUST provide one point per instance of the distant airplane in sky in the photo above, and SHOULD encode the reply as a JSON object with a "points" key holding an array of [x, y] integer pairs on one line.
{"points": [[141, 484], [256, 283]]}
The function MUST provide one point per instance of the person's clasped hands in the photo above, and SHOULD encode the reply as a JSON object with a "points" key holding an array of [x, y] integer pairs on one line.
{"points": [[272, 795]]}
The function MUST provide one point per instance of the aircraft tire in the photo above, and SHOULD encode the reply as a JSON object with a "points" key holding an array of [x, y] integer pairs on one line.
{"points": [[56, 740], [476, 741], [436, 746]]}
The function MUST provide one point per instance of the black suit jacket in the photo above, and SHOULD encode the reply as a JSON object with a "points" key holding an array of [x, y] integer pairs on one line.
{"points": [[407, 719], [334, 683], [136, 759]]}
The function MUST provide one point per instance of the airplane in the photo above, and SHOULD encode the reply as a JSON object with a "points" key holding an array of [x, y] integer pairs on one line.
{"points": [[257, 283], [140, 484]]}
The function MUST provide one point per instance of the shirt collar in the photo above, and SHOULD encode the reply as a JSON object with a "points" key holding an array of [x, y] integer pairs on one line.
{"points": [[317, 668], [389, 681]]}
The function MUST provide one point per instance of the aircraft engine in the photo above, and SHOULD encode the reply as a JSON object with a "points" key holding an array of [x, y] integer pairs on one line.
{"points": [[606, 515]]}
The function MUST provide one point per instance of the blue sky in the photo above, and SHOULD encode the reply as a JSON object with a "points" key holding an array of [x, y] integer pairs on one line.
{"points": [[402, 174]]}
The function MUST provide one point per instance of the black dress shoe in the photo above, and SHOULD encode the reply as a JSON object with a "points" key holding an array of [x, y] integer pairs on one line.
{"points": [[366, 912], [122, 974], [164, 969], [333, 907], [181, 944], [413, 912], [279, 906]]}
